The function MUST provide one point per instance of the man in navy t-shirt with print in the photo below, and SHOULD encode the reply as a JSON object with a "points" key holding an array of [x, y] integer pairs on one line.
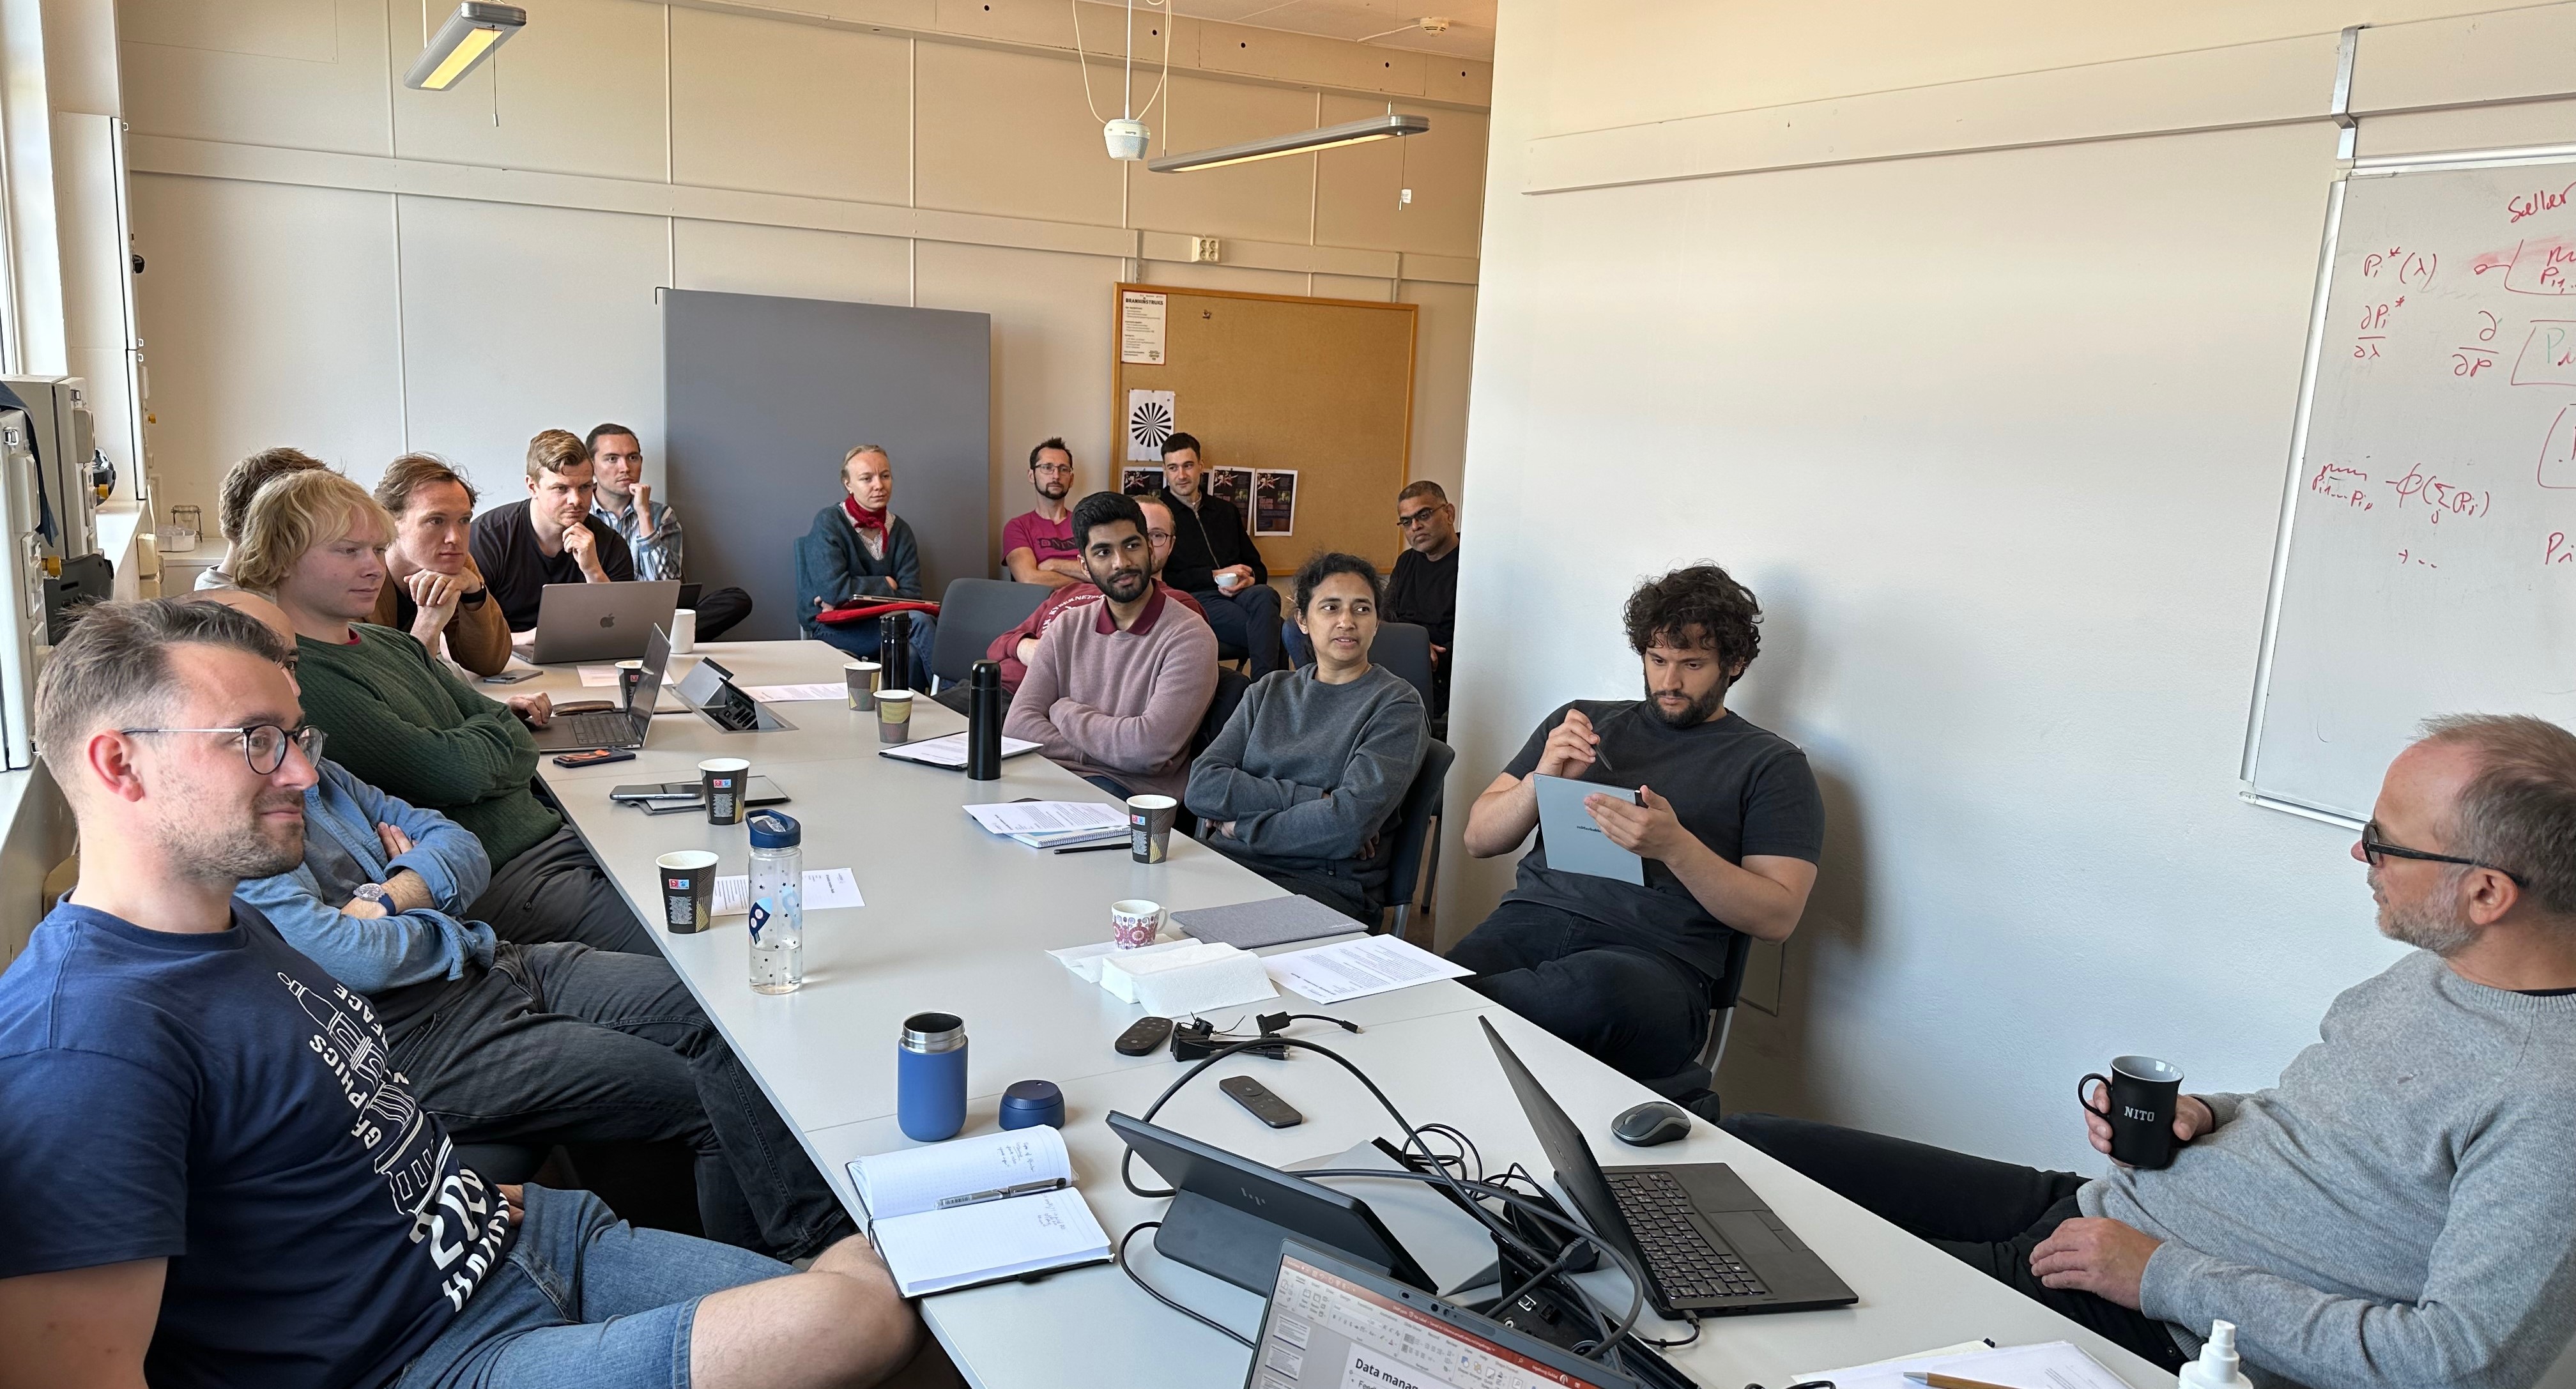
{"points": [[1730, 829], [243, 1189]]}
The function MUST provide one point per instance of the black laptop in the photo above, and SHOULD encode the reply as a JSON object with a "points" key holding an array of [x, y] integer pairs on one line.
{"points": [[612, 728], [1708, 1244]]}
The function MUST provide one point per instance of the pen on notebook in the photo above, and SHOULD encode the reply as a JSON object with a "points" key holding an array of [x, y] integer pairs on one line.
{"points": [[1002, 1193], [1935, 1381], [1094, 848]]}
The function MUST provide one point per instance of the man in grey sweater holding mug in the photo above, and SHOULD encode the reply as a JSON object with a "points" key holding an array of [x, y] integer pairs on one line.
{"points": [[2401, 1209]]}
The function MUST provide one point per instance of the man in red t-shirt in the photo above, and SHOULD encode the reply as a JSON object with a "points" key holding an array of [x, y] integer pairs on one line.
{"points": [[1038, 546], [1014, 647]]}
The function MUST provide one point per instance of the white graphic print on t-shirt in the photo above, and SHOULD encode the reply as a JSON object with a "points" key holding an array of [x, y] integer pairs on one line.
{"points": [[450, 1206]]}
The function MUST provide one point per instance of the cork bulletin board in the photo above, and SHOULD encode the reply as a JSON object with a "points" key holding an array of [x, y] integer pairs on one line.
{"points": [[1322, 388]]}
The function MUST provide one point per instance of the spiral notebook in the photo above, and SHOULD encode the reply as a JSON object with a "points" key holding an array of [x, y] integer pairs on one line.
{"points": [[944, 1218]]}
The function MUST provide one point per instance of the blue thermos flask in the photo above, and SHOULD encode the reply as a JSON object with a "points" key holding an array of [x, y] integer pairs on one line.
{"points": [[930, 1077]]}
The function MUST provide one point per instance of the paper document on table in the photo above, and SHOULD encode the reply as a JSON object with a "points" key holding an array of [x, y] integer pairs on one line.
{"points": [[1358, 968], [910, 1180], [790, 694], [1048, 817], [605, 677], [2055, 1365], [824, 887], [949, 750]]}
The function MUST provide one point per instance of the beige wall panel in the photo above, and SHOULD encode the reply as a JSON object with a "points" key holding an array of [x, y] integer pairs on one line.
{"points": [[271, 315], [1357, 189], [1010, 134], [1458, 79], [1444, 351], [1351, 287], [2470, 128], [1234, 277], [311, 76], [1052, 318], [1102, 27], [518, 319], [789, 108], [738, 258], [580, 93], [1268, 201], [1290, 57]]}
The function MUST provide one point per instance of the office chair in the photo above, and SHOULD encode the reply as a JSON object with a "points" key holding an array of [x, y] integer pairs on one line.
{"points": [[1701, 1073], [1414, 847], [973, 612], [1401, 647]]}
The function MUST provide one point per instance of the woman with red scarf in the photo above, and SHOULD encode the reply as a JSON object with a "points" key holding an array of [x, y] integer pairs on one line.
{"points": [[860, 550]]}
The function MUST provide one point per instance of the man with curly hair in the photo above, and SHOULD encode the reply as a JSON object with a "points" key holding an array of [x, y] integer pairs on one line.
{"points": [[1730, 827]]}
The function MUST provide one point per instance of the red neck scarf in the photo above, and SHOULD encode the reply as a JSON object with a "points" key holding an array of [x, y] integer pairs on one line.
{"points": [[863, 518]]}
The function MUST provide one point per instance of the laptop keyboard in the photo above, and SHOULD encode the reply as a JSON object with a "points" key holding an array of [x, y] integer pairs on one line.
{"points": [[599, 726], [1688, 1266]]}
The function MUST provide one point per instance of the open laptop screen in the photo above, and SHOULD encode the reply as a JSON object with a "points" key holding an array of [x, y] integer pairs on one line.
{"points": [[1334, 1326], [1577, 1170]]}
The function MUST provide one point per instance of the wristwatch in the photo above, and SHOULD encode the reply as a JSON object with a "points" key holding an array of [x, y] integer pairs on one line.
{"points": [[372, 892]]}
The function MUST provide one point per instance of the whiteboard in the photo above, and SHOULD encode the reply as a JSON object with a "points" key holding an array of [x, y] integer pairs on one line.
{"points": [[2427, 561]]}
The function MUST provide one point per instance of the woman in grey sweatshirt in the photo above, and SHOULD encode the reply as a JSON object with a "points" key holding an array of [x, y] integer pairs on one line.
{"points": [[1316, 759]]}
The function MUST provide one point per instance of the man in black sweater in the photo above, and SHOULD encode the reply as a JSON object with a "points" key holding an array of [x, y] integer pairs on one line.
{"points": [[1424, 589], [553, 539], [1214, 561]]}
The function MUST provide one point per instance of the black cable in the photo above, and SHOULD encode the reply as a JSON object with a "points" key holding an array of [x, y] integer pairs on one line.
{"points": [[1156, 1293], [1693, 1319], [1276, 1022]]}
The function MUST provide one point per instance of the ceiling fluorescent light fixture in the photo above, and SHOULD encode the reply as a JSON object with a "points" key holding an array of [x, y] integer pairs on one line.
{"points": [[468, 36], [1358, 132]]}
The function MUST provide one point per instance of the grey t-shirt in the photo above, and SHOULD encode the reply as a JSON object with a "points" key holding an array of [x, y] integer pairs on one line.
{"points": [[1740, 789]]}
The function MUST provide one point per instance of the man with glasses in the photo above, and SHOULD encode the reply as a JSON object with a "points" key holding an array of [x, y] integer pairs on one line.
{"points": [[1424, 588], [1013, 648], [252, 1190], [2399, 1210], [1038, 545], [650, 527], [314, 543]]}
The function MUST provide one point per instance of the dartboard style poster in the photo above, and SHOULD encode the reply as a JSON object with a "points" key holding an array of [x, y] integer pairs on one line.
{"points": [[1149, 423]]}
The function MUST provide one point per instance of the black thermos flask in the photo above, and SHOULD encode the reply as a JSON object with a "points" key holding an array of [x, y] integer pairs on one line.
{"points": [[984, 722], [894, 651]]}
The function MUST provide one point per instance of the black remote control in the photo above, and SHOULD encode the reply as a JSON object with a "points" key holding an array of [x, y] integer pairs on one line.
{"points": [[1144, 1037], [1266, 1107]]}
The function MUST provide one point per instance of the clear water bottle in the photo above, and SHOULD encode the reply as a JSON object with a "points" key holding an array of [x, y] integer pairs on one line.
{"points": [[777, 903]]}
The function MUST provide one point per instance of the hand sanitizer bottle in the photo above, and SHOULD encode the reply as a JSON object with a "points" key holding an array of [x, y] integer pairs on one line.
{"points": [[2217, 1368]]}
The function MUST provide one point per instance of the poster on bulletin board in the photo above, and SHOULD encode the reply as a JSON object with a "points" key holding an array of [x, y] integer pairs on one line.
{"points": [[1138, 482], [1149, 423], [1274, 501]]}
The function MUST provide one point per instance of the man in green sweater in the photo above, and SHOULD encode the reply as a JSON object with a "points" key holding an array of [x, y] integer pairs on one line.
{"points": [[314, 543]]}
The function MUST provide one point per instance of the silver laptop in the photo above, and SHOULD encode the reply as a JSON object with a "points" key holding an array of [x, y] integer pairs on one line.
{"points": [[601, 622], [612, 728]]}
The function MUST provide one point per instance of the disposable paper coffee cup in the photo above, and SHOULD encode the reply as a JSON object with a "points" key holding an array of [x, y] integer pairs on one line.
{"points": [[861, 678], [684, 631], [630, 678], [722, 781], [688, 891], [894, 716], [1149, 827]]}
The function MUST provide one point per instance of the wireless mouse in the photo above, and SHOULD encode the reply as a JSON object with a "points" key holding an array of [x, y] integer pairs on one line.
{"points": [[1649, 1124]]}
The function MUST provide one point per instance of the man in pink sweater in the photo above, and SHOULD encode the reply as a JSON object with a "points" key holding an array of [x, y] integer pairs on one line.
{"points": [[1117, 686]]}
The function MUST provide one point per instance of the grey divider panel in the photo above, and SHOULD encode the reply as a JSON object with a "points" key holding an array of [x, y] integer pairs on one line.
{"points": [[762, 397]]}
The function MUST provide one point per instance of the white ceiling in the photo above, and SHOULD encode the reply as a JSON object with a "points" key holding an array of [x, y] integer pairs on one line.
{"points": [[1470, 35]]}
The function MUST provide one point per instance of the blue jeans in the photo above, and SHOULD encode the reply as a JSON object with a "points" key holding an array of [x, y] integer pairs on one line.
{"points": [[860, 639], [584, 1298], [1246, 619]]}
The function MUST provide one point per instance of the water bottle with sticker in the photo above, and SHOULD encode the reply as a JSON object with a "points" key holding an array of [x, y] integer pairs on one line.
{"points": [[777, 903]]}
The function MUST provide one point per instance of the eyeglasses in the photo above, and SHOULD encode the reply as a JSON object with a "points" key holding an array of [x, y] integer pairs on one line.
{"points": [[1409, 519], [2375, 848], [1159, 537], [263, 745], [1064, 468]]}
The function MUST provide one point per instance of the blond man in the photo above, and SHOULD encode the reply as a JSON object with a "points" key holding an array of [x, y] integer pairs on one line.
{"points": [[315, 544], [553, 539]]}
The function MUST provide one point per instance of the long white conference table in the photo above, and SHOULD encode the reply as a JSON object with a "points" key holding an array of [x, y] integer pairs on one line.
{"points": [[957, 920]]}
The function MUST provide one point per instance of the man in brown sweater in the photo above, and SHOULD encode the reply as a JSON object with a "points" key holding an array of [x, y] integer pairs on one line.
{"points": [[1117, 685], [432, 589]]}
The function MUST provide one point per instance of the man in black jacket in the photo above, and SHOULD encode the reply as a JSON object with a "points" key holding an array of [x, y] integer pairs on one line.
{"points": [[1213, 559]]}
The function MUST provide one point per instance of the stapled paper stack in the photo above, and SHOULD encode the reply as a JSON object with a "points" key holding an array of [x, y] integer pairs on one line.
{"points": [[1174, 979]]}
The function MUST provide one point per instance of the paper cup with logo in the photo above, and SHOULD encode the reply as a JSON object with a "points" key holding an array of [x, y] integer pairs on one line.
{"points": [[860, 678], [1149, 827], [688, 890], [630, 678], [1134, 923], [894, 716], [724, 781]]}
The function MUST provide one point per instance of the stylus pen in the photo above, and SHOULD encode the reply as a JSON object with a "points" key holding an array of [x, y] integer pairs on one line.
{"points": [[1095, 848], [1003, 1193]]}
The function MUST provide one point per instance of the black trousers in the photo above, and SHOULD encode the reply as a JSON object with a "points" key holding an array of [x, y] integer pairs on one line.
{"points": [[1989, 1215], [719, 609], [555, 891], [565, 1044], [1639, 1011]]}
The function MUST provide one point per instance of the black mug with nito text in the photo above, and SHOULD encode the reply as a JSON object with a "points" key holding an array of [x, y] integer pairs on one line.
{"points": [[2144, 1094]]}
